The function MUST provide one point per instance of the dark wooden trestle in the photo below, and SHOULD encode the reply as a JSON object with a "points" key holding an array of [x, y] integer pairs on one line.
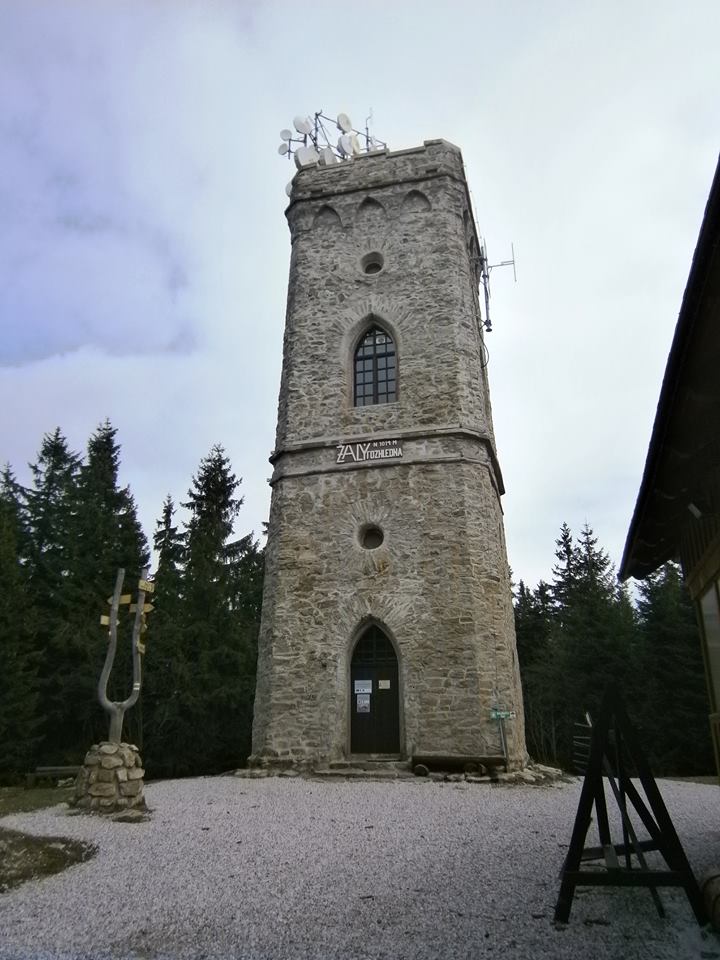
{"points": [[613, 754]]}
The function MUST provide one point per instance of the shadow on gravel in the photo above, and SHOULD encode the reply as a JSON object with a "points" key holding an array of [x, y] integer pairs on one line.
{"points": [[24, 858]]}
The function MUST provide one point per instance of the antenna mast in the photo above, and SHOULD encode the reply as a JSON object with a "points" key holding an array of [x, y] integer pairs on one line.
{"points": [[485, 269], [314, 142]]}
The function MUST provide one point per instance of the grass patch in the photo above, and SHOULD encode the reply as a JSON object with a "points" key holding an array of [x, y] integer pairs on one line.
{"points": [[24, 858], [19, 800]]}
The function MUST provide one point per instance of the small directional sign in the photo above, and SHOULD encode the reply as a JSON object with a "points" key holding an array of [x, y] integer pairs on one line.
{"points": [[146, 608], [104, 621], [147, 586], [502, 714], [125, 598]]}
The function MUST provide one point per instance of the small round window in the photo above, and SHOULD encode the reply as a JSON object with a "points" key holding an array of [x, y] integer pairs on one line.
{"points": [[372, 263], [371, 536]]}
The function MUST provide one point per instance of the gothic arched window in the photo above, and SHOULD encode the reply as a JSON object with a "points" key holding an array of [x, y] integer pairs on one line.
{"points": [[375, 369]]}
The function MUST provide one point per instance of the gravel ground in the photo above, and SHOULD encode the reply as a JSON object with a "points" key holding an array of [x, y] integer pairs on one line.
{"points": [[289, 868]]}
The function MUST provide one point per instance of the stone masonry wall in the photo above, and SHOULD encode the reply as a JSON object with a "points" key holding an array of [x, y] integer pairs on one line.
{"points": [[439, 584], [423, 296]]}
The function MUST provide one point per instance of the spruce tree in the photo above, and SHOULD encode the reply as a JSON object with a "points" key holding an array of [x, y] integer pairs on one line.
{"points": [[593, 635], [167, 677], [19, 722], [51, 508], [103, 534], [534, 628], [51, 502], [673, 694], [217, 641]]}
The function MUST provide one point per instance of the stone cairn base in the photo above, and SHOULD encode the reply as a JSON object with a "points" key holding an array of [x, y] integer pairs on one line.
{"points": [[111, 779]]}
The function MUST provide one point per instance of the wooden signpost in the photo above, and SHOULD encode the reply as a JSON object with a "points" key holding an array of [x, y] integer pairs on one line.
{"points": [[115, 709]]}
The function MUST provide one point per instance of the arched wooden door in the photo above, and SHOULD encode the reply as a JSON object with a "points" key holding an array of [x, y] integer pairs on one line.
{"points": [[374, 695]]}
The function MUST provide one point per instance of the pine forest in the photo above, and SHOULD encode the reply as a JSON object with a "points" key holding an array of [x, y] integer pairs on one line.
{"points": [[62, 540]]}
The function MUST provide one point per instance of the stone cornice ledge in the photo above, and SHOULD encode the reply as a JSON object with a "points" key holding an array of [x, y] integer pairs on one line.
{"points": [[429, 432]]}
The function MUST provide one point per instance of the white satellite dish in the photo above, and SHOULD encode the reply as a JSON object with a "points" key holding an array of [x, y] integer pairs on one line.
{"points": [[355, 147], [303, 125], [344, 145], [288, 189], [283, 149], [327, 157], [306, 157], [285, 134], [343, 123]]}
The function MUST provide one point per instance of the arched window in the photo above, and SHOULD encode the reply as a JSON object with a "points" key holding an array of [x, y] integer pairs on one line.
{"points": [[375, 369]]}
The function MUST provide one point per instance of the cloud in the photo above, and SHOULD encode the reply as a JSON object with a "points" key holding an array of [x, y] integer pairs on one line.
{"points": [[144, 254], [110, 161]]}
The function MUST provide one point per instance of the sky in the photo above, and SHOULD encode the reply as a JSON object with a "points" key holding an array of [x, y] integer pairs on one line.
{"points": [[144, 250]]}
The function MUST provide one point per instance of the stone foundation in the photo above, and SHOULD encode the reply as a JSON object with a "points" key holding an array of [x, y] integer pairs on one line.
{"points": [[111, 779]]}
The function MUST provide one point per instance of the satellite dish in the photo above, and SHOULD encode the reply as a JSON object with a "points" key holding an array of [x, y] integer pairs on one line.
{"points": [[344, 145], [303, 125], [343, 123], [285, 134], [327, 157], [283, 149], [288, 189], [306, 157], [355, 147]]}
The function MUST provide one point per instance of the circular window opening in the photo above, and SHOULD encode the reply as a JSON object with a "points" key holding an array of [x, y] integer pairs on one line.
{"points": [[372, 263], [371, 537]]}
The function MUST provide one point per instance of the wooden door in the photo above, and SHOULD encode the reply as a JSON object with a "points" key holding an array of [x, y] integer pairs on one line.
{"points": [[374, 695]]}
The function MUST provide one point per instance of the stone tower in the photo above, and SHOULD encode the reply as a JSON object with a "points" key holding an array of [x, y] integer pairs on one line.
{"points": [[387, 624]]}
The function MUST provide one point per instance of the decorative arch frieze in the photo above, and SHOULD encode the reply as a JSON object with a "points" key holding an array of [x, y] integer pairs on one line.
{"points": [[326, 217], [415, 202], [370, 213]]}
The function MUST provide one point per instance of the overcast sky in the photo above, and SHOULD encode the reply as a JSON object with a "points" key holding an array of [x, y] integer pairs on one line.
{"points": [[144, 251]]}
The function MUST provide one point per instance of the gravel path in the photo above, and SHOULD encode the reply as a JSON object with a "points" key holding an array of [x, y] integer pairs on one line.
{"points": [[290, 868]]}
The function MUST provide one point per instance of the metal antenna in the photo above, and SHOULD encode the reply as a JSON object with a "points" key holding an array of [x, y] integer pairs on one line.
{"points": [[313, 140], [368, 121], [485, 268]]}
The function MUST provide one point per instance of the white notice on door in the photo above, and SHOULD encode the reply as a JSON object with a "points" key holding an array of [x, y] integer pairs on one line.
{"points": [[363, 703], [363, 686], [383, 684]]}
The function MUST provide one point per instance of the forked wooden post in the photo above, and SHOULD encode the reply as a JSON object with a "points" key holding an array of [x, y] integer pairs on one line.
{"points": [[115, 709]]}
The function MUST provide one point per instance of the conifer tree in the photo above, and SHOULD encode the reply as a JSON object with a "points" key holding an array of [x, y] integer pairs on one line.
{"points": [[51, 508], [108, 537], [19, 721], [674, 695], [166, 668], [219, 650], [109, 534], [534, 628], [101, 534], [51, 502], [593, 636]]}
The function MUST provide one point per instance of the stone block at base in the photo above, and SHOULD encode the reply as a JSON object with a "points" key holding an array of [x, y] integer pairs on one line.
{"points": [[110, 780]]}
